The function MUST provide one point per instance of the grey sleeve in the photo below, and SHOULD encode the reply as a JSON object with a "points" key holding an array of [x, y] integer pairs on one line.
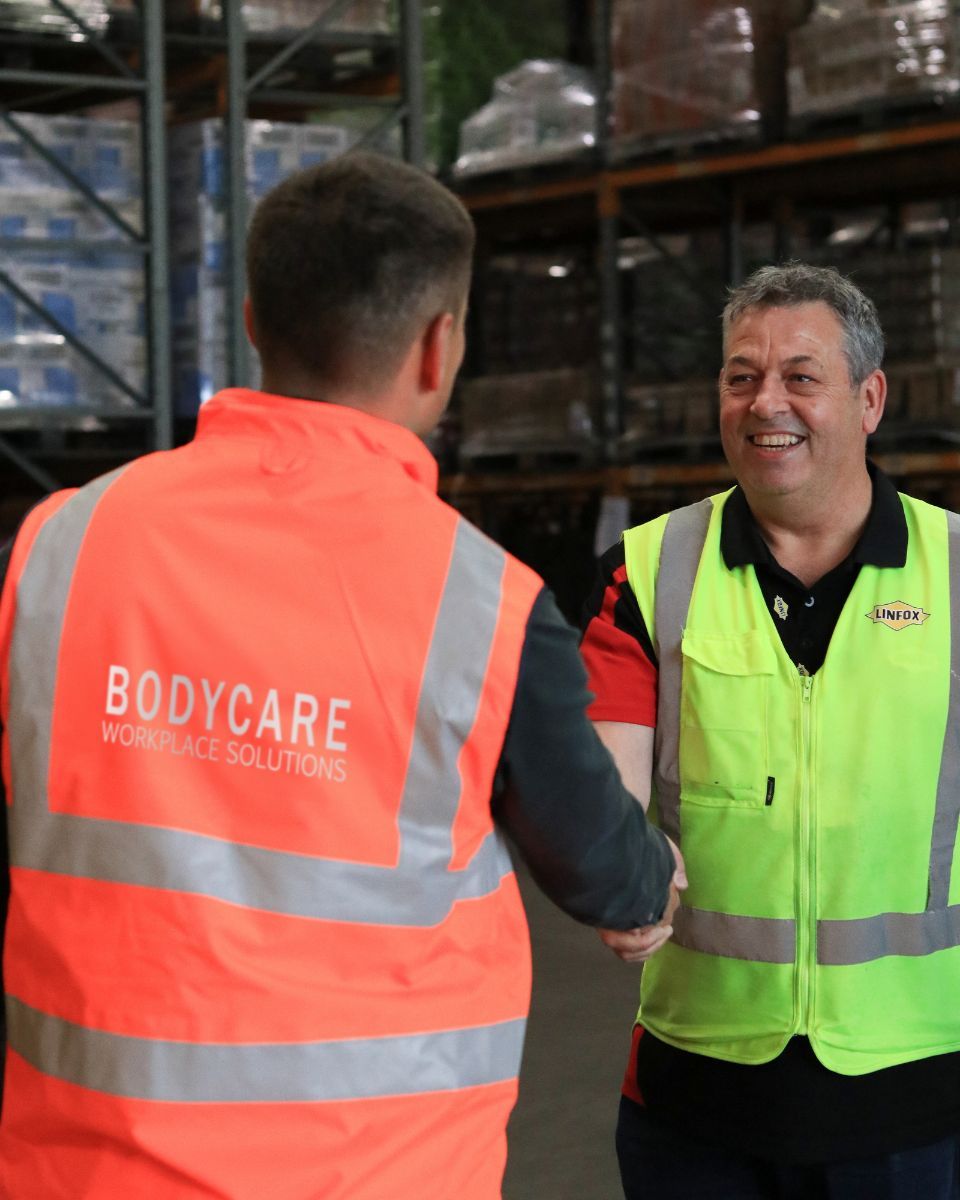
{"points": [[585, 839]]}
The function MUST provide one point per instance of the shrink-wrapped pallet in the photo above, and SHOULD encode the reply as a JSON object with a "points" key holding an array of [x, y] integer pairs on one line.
{"points": [[853, 55]]}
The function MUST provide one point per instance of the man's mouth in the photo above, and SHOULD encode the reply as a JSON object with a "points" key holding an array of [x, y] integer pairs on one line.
{"points": [[775, 441]]}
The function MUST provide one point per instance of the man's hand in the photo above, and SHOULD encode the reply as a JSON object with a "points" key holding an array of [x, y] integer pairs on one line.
{"points": [[637, 945]]}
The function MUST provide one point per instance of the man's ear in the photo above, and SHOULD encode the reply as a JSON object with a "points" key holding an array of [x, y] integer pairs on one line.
{"points": [[435, 346], [248, 321], [874, 399]]}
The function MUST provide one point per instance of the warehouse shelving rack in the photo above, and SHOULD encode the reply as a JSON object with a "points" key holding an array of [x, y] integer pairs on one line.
{"points": [[722, 186], [244, 73], [245, 91], [62, 75], [898, 164]]}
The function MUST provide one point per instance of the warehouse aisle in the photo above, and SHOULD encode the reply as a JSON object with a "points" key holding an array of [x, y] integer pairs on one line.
{"points": [[584, 1001]]}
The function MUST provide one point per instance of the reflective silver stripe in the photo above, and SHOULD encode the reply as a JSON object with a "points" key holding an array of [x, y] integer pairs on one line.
{"points": [[419, 891], [680, 551], [757, 939], [200, 1073], [948, 786], [35, 647], [843, 943]]}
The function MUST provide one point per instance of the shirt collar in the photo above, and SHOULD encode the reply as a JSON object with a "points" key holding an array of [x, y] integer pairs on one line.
{"points": [[883, 542], [297, 424]]}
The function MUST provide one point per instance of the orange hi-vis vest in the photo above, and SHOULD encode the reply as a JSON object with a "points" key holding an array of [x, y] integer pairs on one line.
{"points": [[263, 937]]}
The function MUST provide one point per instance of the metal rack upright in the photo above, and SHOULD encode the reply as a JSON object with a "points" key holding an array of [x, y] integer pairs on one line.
{"points": [[138, 56], [131, 65]]}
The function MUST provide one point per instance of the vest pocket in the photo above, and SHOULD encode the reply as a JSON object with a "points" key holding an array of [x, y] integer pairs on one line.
{"points": [[723, 718]]}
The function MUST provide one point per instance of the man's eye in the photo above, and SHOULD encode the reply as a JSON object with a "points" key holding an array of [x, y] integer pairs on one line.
{"points": [[798, 378]]}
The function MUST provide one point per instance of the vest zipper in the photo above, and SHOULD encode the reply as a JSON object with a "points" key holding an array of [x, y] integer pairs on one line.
{"points": [[806, 865]]}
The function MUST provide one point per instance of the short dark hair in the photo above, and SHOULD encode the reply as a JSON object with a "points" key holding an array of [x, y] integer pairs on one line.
{"points": [[348, 260], [796, 283]]}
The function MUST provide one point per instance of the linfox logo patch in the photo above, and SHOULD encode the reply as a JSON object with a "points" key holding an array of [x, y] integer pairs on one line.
{"points": [[897, 614]]}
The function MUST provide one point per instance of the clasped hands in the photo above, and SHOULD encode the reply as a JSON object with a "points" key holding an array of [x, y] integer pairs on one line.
{"points": [[637, 945]]}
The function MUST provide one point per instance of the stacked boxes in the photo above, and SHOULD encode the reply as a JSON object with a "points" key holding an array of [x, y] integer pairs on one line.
{"points": [[198, 208], [689, 70], [538, 413], [289, 16], [537, 311], [672, 324], [97, 295], [536, 334], [658, 411], [917, 294], [869, 51], [923, 396]]}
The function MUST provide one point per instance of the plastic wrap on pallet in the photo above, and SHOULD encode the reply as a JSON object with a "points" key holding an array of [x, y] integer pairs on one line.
{"points": [[675, 291], [849, 55], [290, 16], [97, 295], [923, 395], [198, 234], [916, 287], [103, 306], [657, 411], [469, 43], [537, 311], [105, 155], [917, 293], [689, 70], [534, 412], [40, 16], [542, 111]]}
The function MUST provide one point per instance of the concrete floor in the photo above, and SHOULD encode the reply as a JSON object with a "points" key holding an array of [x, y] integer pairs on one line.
{"points": [[584, 1002]]}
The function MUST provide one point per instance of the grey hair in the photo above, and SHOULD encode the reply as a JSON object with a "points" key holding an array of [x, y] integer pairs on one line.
{"points": [[796, 283]]}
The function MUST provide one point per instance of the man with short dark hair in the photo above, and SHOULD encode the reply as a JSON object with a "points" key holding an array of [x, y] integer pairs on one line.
{"points": [[262, 699], [777, 668]]}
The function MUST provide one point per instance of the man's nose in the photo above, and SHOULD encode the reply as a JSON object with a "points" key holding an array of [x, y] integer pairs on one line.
{"points": [[770, 399]]}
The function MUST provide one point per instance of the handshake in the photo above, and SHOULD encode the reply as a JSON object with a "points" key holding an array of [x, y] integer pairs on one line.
{"points": [[637, 945]]}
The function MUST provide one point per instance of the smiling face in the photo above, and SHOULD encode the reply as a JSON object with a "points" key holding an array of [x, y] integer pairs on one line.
{"points": [[791, 422]]}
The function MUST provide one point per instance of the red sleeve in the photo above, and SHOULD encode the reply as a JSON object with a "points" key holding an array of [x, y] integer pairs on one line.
{"points": [[630, 1087], [616, 649]]}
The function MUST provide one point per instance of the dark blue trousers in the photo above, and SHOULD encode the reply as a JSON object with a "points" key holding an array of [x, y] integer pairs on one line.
{"points": [[659, 1162]]}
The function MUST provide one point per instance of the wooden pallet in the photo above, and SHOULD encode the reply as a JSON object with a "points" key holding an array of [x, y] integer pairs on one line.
{"points": [[526, 459], [889, 112]]}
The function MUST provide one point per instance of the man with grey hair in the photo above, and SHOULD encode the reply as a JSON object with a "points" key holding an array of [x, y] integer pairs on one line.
{"points": [[776, 676]]}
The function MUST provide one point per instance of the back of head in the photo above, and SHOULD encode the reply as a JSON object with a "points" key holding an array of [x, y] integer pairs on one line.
{"points": [[796, 283], [347, 262]]}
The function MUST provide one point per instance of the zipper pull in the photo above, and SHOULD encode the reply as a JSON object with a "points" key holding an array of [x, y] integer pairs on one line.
{"points": [[807, 686]]}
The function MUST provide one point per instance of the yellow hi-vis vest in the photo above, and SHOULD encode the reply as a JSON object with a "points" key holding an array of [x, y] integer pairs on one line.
{"points": [[817, 815]]}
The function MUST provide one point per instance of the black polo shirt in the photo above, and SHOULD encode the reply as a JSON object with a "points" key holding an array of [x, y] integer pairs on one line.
{"points": [[793, 1110], [806, 617]]}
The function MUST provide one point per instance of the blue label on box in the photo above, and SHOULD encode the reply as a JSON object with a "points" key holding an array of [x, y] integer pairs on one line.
{"points": [[10, 380], [8, 317], [62, 308], [266, 171], [60, 384], [212, 171], [215, 256], [65, 151]]}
